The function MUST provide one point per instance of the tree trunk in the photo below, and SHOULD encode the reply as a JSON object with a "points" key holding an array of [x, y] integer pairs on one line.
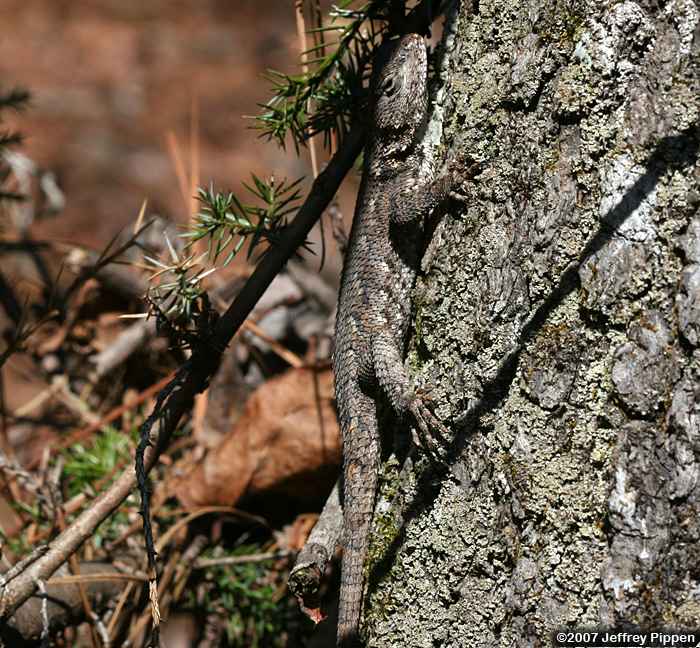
{"points": [[557, 325]]}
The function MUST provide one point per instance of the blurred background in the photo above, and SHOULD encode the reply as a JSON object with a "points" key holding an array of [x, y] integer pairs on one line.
{"points": [[115, 83], [135, 103]]}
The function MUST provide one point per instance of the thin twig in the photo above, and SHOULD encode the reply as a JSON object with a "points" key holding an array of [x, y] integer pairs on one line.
{"points": [[176, 158], [117, 412], [288, 356], [121, 602], [21, 565], [44, 613], [75, 569]]}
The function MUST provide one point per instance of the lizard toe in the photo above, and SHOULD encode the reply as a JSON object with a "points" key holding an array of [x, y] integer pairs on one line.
{"points": [[434, 437]]}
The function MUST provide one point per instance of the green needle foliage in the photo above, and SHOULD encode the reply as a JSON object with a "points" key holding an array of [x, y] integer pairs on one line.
{"points": [[225, 223], [177, 295], [223, 217], [323, 99]]}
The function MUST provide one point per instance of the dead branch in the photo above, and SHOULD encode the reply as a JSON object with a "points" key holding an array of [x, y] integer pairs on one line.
{"points": [[204, 563], [64, 603], [305, 577], [312, 283], [130, 340]]}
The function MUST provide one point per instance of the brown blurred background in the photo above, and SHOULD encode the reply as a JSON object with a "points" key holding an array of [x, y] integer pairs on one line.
{"points": [[115, 82]]}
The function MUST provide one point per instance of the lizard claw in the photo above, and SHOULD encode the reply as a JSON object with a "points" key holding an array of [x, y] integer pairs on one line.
{"points": [[460, 172], [433, 435]]}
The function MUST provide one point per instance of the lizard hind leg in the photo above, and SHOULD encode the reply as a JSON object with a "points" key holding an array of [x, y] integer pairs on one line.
{"points": [[393, 379], [361, 452]]}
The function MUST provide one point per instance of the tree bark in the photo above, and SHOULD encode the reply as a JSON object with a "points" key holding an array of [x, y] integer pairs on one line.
{"points": [[557, 327]]}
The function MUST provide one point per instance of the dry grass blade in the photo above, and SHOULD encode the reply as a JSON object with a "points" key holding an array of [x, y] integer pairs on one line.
{"points": [[203, 563], [106, 256], [93, 578]]}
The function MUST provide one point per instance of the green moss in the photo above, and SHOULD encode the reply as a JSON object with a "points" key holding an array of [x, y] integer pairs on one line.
{"points": [[385, 526], [418, 321], [384, 533]]}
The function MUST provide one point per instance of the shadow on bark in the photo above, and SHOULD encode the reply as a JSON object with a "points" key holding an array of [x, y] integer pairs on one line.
{"points": [[674, 152]]}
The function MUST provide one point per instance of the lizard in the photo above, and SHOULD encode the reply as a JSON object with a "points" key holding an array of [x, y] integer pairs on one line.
{"points": [[374, 305]]}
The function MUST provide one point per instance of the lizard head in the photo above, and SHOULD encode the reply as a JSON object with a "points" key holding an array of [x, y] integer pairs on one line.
{"points": [[399, 91]]}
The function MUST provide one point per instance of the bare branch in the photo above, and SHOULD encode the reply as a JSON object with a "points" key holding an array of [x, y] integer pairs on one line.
{"points": [[305, 577], [63, 602]]}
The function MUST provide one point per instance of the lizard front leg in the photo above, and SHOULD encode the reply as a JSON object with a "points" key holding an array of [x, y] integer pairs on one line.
{"points": [[415, 200]]}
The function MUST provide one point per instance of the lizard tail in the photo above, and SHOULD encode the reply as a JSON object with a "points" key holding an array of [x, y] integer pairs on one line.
{"points": [[360, 482]]}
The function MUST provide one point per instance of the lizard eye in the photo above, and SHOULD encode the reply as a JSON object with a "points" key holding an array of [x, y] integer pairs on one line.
{"points": [[389, 87]]}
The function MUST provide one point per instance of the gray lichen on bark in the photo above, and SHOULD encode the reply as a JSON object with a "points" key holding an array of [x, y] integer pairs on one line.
{"points": [[557, 328]]}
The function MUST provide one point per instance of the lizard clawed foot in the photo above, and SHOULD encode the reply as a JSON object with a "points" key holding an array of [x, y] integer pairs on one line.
{"points": [[433, 435], [460, 173]]}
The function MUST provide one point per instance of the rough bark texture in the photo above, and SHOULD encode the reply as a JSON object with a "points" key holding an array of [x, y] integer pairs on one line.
{"points": [[557, 325]]}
